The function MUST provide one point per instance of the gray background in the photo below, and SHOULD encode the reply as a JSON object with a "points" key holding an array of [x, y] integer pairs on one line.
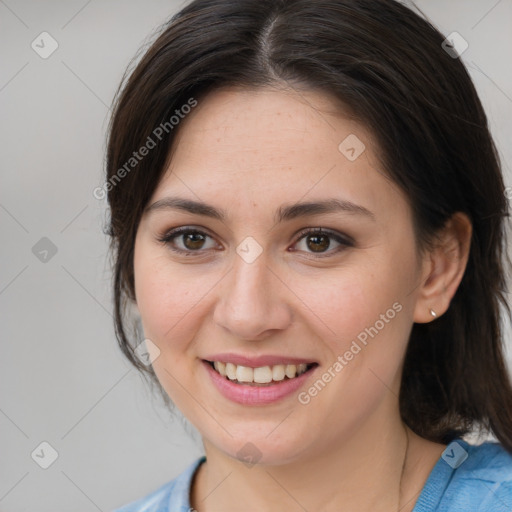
{"points": [[63, 379]]}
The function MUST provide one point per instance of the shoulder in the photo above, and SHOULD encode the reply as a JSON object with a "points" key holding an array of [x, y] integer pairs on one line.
{"points": [[488, 461], [489, 474], [477, 477], [173, 496]]}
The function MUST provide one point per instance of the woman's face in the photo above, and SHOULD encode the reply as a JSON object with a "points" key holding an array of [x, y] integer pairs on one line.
{"points": [[256, 290]]}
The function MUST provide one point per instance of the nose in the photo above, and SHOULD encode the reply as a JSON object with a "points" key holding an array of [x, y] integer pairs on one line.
{"points": [[252, 301]]}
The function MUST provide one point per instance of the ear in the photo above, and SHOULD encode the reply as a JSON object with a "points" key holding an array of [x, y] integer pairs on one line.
{"points": [[443, 268]]}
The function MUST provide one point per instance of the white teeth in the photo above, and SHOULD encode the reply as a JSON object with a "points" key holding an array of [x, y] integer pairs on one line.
{"points": [[260, 375], [278, 372], [290, 371], [220, 367], [231, 371], [244, 374]]}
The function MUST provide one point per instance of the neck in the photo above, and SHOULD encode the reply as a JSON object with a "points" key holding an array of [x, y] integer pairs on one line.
{"points": [[368, 471]]}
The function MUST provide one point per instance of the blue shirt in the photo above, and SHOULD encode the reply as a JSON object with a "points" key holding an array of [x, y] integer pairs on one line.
{"points": [[466, 478]]}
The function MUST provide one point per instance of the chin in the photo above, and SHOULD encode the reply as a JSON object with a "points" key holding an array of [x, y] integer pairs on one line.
{"points": [[258, 447]]}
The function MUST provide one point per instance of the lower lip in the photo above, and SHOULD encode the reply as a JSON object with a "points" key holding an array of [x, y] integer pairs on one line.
{"points": [[256, 395]]}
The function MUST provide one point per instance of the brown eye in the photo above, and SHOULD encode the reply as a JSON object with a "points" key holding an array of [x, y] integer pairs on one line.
{"points": [[319, 241], [193, 240], [186, 240]]}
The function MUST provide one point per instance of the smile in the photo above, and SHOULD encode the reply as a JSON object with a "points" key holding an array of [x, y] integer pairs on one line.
{"points": [[263, 375], [243, 384]]}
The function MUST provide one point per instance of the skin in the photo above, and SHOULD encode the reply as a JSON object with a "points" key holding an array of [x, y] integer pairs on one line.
{"points": [[249, 152]]}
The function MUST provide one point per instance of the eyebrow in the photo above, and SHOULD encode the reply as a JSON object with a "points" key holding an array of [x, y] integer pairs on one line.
{"points": [[283, 213]]}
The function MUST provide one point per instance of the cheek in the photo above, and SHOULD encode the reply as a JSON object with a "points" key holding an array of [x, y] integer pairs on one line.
{"points": [[364, 326], [166, 301], [363, 311], [164, 298]]}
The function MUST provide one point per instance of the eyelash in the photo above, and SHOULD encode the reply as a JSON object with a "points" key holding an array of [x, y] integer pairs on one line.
{"points": [[345, 241]]}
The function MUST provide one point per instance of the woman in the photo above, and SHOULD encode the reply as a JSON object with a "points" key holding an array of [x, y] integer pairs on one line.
{"points": [[308, 214]]}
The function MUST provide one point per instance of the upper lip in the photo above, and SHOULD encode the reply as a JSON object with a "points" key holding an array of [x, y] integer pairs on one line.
{"points": [[257, 361]]}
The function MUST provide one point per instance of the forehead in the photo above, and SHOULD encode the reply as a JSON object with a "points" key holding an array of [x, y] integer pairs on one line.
{"points": [[268, 123], [269, 145]]}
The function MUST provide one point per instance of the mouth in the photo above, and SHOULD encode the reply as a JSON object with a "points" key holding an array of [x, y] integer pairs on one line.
{"points": [[261, 376]]}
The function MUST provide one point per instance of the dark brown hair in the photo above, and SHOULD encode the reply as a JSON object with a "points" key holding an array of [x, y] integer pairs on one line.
{"points": [[387, 65]]}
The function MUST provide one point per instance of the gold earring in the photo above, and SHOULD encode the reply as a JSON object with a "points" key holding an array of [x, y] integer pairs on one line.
{"points": [[433, 313]]}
